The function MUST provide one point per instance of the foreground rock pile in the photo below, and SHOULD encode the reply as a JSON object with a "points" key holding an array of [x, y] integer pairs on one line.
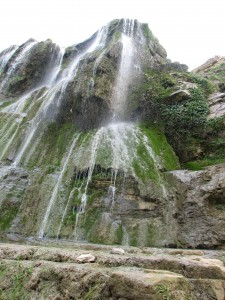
{"points": [[103, 272]]}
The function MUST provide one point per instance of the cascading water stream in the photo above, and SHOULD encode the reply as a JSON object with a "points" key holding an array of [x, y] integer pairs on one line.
{"points": [[6, 55], [18, 106], [15, 116], [122, 141], [16, 110], [126, 239], [113, 148], [67, 75], [66, 210], [22, 56], [92, 161], [122, 138], [119, 135], [56, 189], [120, 91], [57, 90], [97, 44], [53, 76], [41, 115]]}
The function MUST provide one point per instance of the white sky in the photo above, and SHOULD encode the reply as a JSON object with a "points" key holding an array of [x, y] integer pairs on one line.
{"points": [[190, 30]]}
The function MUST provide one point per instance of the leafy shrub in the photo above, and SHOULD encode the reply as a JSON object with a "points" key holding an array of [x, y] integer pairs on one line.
{"points": [[205, 85], [186, 115]]}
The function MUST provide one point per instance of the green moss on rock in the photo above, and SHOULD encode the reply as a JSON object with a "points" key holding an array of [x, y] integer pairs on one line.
{"points": [[8, 213], [161, 147]]}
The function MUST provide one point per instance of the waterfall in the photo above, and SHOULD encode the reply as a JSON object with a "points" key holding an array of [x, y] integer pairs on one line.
{"points": [[92, 161], [21, 58], [53, 75], [16, 116], [128, 27], [56, 93], [121, 142], [5, 57], [56, 188], [121, 152], [121, 87]]}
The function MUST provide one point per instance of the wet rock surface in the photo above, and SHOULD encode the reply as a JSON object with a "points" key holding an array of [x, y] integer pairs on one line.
{"points": [[22, 75], [191, 216], [88, 99], [200, 206], [148, 273]]}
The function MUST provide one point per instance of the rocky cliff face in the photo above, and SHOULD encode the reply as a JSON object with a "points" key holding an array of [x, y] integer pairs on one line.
{"points": [[213, 69], [84, 143], [27, 67]]}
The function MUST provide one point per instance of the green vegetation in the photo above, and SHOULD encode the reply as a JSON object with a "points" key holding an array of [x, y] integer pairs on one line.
{"points": [[52, 145], [151, 236], [148, 33], [212, 143], [8, 212], [6, 103], [217, 73], [219, 207], [144, 165], [133, 234], [185, 123], [164, 292], [161, 146], [119, 234], [170, 290], [187, 116], [91, 217], [117, 36], [148, 96], [205, 162], [204, 84], [93, 293], [19, 275], [154, 154], [16, 82]]}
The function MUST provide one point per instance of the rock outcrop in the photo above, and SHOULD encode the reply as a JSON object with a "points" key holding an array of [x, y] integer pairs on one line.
{"points": [[88, 97], [212, 62], [213, 69], [217, 105], [178, 96], [29, 68], [200, 206], [56, 273]]}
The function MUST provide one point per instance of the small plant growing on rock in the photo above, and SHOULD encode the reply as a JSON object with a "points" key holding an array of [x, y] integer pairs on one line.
{"points": [[164, 292]]}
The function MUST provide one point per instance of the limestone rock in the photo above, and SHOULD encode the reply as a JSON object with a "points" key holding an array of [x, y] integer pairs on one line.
{"points": [[140, 285], [185, 85], [173, 66], [138, 275], [86, 258], [200, 208], [216, 60], [117, 251], [30, 72], [87, 101], [216, 105], [178, 96]]}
